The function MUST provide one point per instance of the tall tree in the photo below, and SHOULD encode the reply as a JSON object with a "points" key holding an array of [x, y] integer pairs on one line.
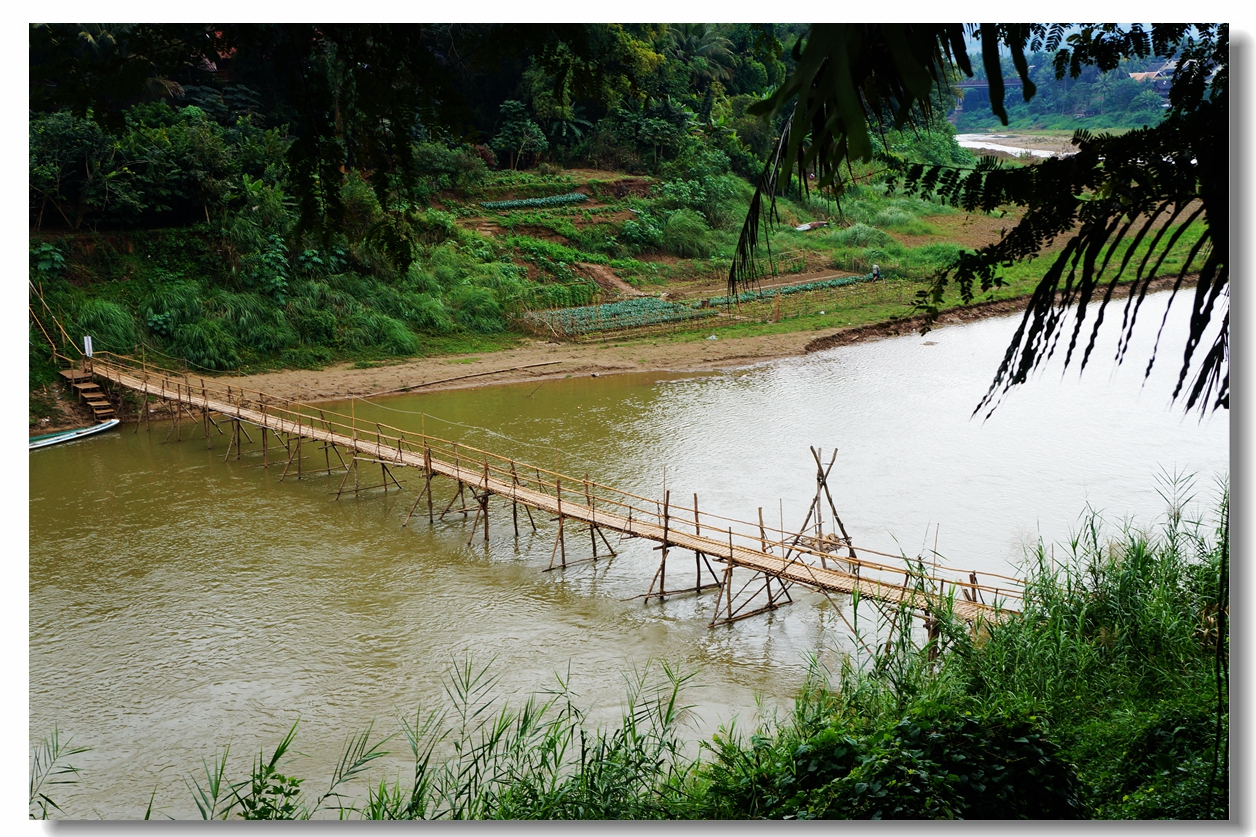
{"points": [[351, 94], [1146, 187], [702, 49]]}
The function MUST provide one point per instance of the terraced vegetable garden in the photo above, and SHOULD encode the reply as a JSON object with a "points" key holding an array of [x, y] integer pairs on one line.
{"points": [[644, 312], [613, 316], [536, 203], [785, 290]]}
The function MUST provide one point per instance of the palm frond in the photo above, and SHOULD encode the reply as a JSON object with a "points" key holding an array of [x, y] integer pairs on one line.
{"points": [[1118, 203]]}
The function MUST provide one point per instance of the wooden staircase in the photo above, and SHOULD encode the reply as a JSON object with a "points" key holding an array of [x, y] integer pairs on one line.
{"points": [[89, 391]]}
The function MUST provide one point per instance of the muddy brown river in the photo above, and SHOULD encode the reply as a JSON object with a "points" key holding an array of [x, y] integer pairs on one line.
{"points": [[180, 603]]}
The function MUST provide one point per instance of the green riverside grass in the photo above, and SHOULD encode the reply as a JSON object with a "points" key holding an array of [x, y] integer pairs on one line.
{"points": [[1100, 699]]}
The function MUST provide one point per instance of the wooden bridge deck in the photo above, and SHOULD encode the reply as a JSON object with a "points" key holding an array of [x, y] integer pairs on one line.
{"points": [[786, 557]]}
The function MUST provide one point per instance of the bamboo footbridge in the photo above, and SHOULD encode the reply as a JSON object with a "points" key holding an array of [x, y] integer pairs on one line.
{"points": [[768, 561]]}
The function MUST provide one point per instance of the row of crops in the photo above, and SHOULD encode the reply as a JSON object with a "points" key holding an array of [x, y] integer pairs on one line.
{"points": [[536, 203], [553, 295], [613, 316], [650, 311], [768, 293]]}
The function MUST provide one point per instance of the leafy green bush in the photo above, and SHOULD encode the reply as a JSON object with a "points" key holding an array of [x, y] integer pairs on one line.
{"points": [[932, 762], [268, 268], [315, 325], [421, 280], [939, 763], [476, 309], [686, 235], [254, 319], [431, 226], [395, 338], [428, 313], [111, 326], [715, 196], [206, 344], [364, 330], [306, 357], [641, 233], [859, 235], [442, 167], [46, 259]]}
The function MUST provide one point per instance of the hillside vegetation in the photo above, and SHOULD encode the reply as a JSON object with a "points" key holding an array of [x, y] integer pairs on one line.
{"points": [[179, 225]]}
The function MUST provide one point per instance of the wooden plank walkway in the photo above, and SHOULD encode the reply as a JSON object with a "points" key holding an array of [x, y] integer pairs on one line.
{"points": [[786, 558]]}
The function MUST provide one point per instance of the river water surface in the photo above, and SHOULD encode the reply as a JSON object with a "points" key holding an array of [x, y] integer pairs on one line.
{"points": [[179, 603]]}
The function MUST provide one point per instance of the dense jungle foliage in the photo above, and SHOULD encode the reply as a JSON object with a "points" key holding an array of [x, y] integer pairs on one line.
{"points": [[182, 202], [1133, 95], [172, 206]]}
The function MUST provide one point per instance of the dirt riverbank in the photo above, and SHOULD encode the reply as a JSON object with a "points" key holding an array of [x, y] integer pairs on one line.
{"points": [[539, 360]]}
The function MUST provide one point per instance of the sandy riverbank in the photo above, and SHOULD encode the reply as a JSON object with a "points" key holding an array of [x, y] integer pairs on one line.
{"points": [[1056, 144], [562, 360], [524, 363]]}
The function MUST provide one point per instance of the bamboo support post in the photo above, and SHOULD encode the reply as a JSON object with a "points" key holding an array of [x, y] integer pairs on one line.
{"points": [[660, 575], [832, 506], [427, 488], [562, 543], [427, 468], [301, 436], [593, 515], [514, 493]]}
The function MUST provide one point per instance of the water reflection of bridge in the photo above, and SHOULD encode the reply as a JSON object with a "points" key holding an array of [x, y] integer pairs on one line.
{"points": [[750, 565]]}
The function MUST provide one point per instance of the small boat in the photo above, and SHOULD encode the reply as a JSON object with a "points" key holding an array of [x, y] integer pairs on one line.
{"points": [[70, 435]]}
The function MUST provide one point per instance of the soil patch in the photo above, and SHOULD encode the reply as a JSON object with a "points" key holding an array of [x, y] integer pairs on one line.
{"points": [[605, 279], [970, 231], [64, 411]]}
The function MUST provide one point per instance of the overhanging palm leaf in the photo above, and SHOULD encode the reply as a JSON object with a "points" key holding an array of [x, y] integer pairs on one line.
{"points": [[1119, 201]]}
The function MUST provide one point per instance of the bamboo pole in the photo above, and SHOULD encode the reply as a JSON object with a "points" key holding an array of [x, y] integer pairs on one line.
{"points": [[514, 494], [427, 468], [593, 515], [558, 491]]}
